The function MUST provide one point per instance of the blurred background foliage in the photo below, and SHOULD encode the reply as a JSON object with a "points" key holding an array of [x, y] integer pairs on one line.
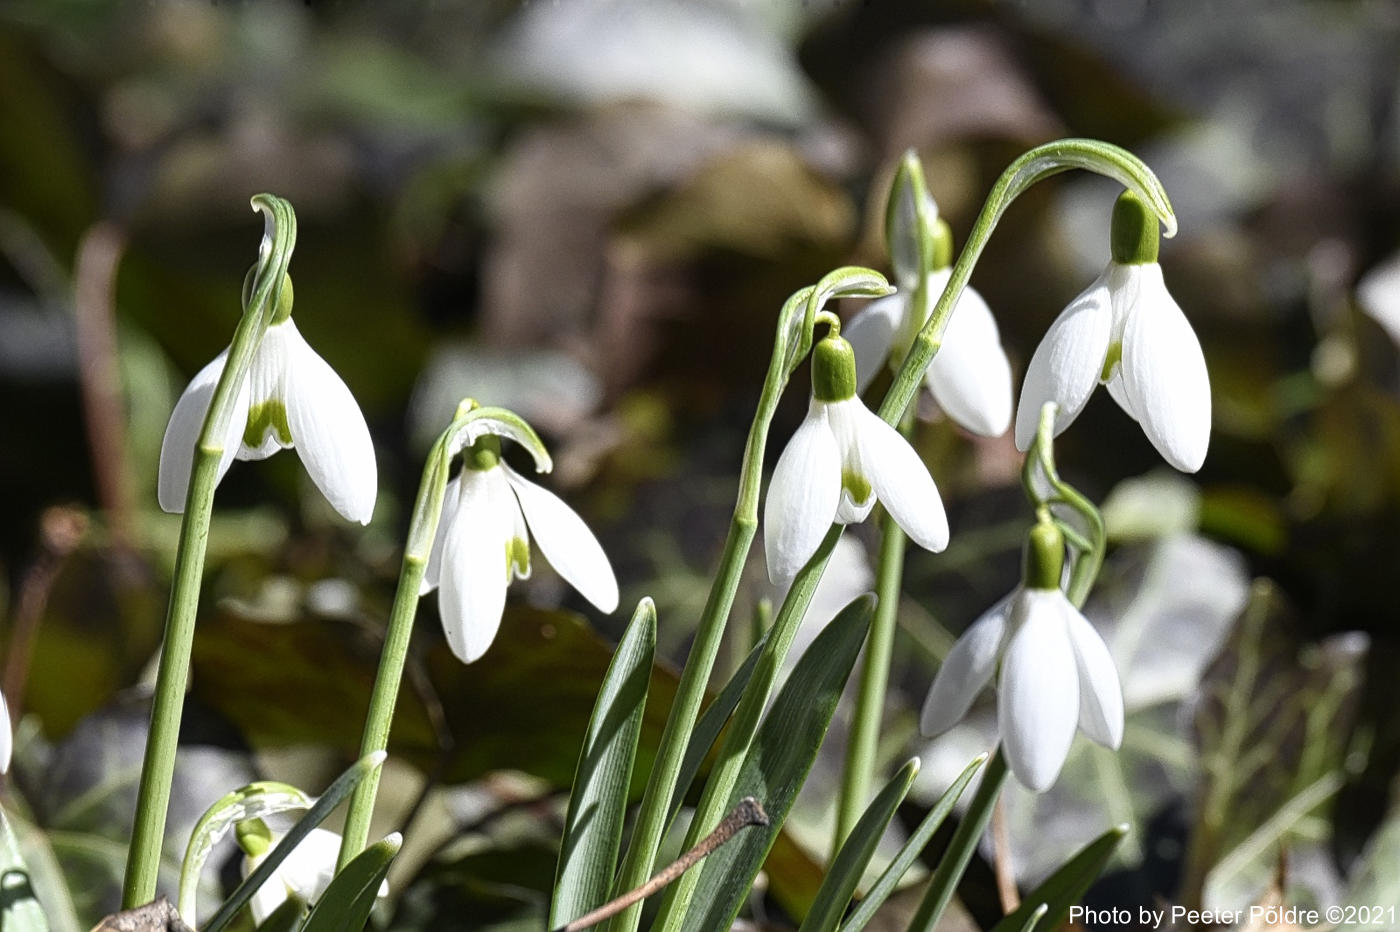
{"points": [[591, 212]]}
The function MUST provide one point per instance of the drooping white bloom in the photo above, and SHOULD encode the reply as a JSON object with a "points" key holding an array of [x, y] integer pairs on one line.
{"points": [[305, 873], [970, 376], [1056, 675], [1127, 332], [840, 462], [483, 542], [290, 398]]}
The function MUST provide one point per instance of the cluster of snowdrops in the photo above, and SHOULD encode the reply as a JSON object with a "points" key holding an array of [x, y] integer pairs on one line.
{"points": [[476, 519]]}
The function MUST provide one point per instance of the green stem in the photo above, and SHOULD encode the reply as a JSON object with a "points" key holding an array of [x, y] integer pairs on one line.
{"points": [[158, 768], [743, 725], [794, 337], [874, 680], [381, 703], [1040, 162], [422, 530]]}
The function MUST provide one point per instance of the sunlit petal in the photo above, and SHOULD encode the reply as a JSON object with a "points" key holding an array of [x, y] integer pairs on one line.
{"points": [[472, 587], [1038, 694], [857, 494], [182, 434], [1100, 694], [802, 496], [1068, 362], [970, 376], [871, 334], [1164, 372], [566, 542], [328, 430], [902, 482], [967, 668]]}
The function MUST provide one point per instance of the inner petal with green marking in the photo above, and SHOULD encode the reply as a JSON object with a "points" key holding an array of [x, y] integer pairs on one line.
{"points": [[517, 558], [856, 485], [267, 416]]}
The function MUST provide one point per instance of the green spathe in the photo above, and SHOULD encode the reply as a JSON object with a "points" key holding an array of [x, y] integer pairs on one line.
{"points": [[1133, 234], [833, 369], [1045, 556]]}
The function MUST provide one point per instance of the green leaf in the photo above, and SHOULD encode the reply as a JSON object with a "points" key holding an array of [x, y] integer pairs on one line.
{"points": [[1062, 889], [598, 803], [777, 764], [849, 864], [912, 848], [253, 801], [709, 726], [288, 917], [335, 793], [290, 683], [346, 904], [19, 908]]}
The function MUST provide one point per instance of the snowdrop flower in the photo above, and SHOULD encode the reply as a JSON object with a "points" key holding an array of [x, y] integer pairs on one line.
{"points": [[290, 398], [1056, 672], [305, 873], [1127, 332], [483, 542], [841, 460], [970, 376]]}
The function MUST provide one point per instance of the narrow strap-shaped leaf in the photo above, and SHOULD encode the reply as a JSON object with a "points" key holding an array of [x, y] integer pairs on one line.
{"points": [[848, 866], [1065, 887], [707, 729], [598, 805], [908, 854], [1036, 915], [346, 904], [337, 791], [19, 908], [960, 850], [289, 917], [777, 764]]}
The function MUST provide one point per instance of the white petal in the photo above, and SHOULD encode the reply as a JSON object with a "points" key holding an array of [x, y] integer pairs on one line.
{"points": [[968, 667], [1067, 363], [902, 482], [267, 382], [268, 897], [329, 431], [182, 434], [871, 334], [844, 419], [1100, 694], [970, 376], [1119, 391], [7, 738], [1038, 695], [308, 870], [802, 496], [472, 588], [1164, 372], [566, 542], [451, 503]]}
